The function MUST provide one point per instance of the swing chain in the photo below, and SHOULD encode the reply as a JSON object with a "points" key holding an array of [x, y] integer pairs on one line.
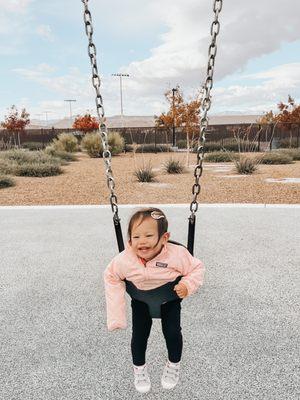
{"points": [[205, 106], [96, 81]]}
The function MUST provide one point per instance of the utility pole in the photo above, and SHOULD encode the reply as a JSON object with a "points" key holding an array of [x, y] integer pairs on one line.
{"points": [[70, 103], [47, 112], [121, 93], [174, 134]]}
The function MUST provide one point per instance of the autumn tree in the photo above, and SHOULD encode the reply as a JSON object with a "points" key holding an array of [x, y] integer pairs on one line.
{"points": [[182, 114], [289, 113], [15, 122], [86, 123]]}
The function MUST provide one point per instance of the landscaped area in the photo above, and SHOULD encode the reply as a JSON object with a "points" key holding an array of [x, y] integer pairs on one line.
{"points": [[83, 182]]}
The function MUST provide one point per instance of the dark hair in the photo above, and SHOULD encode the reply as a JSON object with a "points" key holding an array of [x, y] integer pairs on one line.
{"points": [[151, 212]]}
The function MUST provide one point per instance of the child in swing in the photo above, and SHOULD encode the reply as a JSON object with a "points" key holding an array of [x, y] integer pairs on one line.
{"points": [[149, 261]]}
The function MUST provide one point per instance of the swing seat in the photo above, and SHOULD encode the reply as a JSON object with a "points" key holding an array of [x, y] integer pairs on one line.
{"points": [[154, 298]]}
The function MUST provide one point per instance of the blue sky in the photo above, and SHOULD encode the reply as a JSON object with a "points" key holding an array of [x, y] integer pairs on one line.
{"points": [[160, 44]]}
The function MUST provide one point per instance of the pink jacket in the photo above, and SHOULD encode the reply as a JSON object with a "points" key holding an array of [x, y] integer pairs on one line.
{"points": [[170, 263]]}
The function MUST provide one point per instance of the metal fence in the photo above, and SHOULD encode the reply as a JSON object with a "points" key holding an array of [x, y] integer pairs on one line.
{"points": [[271, 135]]}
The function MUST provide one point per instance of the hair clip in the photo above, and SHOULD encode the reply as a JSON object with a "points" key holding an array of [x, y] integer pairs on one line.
{"points": [[156, 215]]}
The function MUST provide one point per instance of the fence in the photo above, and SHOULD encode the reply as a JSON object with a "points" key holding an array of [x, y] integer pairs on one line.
{"points": [[273, 136]]}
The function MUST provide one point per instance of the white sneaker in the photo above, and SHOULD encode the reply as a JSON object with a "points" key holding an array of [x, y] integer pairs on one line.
{"points": [[170, 376], [141, 379]]}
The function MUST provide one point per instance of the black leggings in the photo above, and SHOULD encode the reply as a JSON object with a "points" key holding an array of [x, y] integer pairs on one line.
{"points": [[141, 327]]}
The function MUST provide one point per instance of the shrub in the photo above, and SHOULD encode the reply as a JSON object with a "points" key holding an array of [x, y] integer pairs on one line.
{"points": [[219, 156], [6, 181], [172, 166], [276, 158], [26, 163], [33, 146], [245, 165], [128, 148], [38, 169], [287, 143], [144, 174], [294, 153], [63, 155], [66, 142], [116, 143], [92, 143], [181, 144], [150, 148]]}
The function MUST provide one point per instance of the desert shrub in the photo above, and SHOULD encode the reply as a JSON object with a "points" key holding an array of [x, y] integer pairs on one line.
{"points": [[33, 146], [63, 155], [128, 148], [181, 144], [150, 148], [27, 163], [294, 153], [144, 174], [38, 169], [219, 156], [287, 143], [276, 158], [66, 142], [116, 143], [172, 166], [6, 181], [245, 165], [92, 143]]}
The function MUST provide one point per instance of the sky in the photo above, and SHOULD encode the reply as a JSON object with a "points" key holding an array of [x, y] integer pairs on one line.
{"points": [[159, 43]]}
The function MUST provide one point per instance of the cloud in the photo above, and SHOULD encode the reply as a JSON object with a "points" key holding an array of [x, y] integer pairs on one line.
{"points": [[45, 32]]}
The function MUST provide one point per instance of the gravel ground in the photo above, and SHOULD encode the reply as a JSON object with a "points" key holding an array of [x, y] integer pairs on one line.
{"points": [[83, 182]]}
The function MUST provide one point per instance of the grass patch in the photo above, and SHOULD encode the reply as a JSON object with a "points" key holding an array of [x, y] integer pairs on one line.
{"points": [[246, 165], [294, 153], [145, 174], [172, 166], [275, 158]]}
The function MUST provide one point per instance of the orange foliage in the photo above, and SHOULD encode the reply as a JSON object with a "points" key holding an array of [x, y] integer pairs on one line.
{"points": [[184, 114], [15, 122], [86, 123], [289, 113]]}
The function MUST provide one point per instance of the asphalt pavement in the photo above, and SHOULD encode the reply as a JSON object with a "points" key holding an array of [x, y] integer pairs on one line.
{"points": [[240, 330]]}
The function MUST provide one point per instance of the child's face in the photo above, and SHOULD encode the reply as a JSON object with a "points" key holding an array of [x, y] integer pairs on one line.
{"points": [[144, 237]]}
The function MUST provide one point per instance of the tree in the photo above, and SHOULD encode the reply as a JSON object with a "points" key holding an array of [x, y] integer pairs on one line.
{"points": [[184, 114], [86, 123], [289, 113], [15, 122]]}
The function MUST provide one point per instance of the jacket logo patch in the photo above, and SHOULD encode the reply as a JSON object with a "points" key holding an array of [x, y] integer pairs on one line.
{"points": [[160, 264]]}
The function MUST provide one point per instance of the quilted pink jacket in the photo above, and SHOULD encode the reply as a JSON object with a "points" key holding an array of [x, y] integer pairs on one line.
{"points": [[170, 263]]}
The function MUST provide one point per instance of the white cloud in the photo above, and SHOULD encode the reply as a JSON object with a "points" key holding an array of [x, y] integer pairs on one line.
{"points": [[45, 32]]}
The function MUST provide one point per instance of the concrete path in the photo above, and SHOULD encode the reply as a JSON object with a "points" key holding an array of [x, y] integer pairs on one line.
{"points": [[241, 330]]}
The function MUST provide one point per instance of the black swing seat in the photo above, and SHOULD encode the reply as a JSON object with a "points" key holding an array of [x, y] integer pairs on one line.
{"points": [[154, 298]]}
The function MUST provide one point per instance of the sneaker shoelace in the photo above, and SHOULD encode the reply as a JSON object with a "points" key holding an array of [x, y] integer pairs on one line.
{"points": [[172, 371]]}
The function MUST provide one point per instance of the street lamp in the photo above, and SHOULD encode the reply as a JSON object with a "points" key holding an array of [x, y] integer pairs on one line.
{"points": [[173, 98], [121, 94], [70, 102]]}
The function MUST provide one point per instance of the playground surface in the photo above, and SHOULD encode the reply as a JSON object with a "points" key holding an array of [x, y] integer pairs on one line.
{"points": [[240, 330], [84, 182]]}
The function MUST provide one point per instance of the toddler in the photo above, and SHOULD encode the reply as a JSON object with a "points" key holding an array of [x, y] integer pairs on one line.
{"points": [[150, 261]]}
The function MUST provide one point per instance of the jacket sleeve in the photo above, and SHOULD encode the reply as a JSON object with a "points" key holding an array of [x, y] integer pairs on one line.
{"points": [[192, 271], [115, 297]]}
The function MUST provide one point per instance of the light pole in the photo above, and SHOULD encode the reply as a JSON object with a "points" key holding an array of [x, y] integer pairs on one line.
{"points": [[174, 134], [70, 103], [121, 93]]}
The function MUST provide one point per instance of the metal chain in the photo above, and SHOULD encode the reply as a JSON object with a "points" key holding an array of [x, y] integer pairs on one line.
{"points": [[96, 81], [206, 104]]}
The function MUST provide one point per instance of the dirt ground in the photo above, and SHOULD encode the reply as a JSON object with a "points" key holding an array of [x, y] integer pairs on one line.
{"points": [[83, 182]]}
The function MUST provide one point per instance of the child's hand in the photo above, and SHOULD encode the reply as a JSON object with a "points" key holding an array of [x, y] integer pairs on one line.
{"points": [[181, 290]]}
